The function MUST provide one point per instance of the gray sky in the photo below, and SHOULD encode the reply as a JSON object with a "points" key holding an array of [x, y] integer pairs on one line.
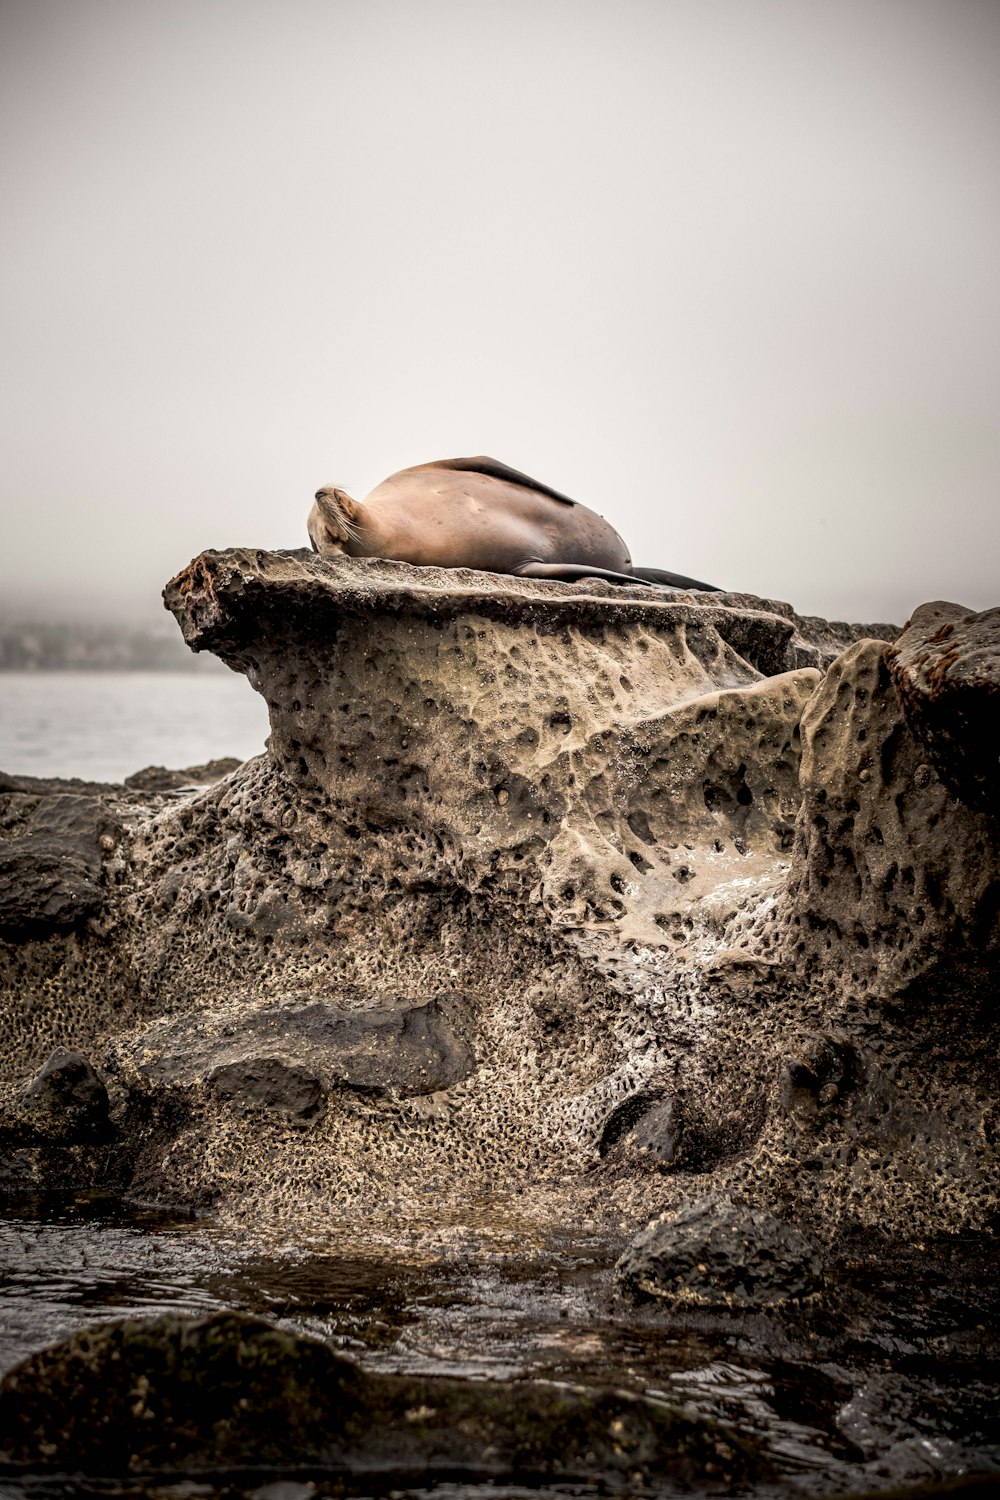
{"points": [[726, 270]]}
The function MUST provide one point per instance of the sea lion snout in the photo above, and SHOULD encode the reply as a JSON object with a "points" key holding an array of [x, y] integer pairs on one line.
{"points": [[333, 521]]}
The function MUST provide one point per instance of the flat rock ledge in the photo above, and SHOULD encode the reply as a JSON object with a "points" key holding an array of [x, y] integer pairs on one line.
{"points": [[548, 904]]}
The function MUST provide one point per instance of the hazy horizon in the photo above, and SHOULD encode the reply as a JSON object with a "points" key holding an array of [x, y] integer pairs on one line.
{"points": [[727, 272]]}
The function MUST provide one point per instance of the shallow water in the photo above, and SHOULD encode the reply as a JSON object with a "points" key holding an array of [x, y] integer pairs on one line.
{"points": [[885, 1410], [102, 726]]}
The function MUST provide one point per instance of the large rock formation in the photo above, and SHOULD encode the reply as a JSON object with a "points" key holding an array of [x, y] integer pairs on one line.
{"points": [[547, 902]]}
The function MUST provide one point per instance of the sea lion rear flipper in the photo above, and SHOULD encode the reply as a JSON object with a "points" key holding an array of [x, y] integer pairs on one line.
{"points": [[663, 579], [568, 572], [496, 470]]}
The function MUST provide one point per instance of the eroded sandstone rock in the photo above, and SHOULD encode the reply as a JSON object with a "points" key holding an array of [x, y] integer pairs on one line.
{"points": [[946, 670], [586, 811], [893, 879]]}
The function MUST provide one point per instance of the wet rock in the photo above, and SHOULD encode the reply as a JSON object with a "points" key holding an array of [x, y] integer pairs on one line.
{"points": [[721, 1253], [946, 669], [172, 1392], [286, 1055], [52, 850], [176, 1394], [160, 779], [67, 1101]]}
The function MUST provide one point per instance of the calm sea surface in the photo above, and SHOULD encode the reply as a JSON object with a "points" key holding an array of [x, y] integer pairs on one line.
{"points": [[102, 726]]}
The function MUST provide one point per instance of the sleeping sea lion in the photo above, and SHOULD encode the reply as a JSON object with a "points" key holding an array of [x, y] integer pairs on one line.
{"points": [[477, 513]]}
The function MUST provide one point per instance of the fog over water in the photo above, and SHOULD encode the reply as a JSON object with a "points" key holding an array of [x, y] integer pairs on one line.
{"points": [[726, 270]]}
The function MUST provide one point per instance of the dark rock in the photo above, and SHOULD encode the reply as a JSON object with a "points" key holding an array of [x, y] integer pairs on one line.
{"points": [[648, 1124], [173, 1392], [268, 1081], [946, 669], [51, 860], [281, 1054], [721, 1253], [67, 1100], [820, 1071], [160, 779], [176, 1394]]}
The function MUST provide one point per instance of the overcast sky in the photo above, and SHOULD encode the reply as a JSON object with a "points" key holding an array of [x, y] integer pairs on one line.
{"points": [[726, 270]]}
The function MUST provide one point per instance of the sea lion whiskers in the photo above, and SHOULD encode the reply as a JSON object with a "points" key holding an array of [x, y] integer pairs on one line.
{"points": [[335, 507]]}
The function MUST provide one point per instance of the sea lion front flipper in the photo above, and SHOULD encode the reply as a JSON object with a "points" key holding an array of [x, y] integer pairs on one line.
{"points": [[494, 469], [569, 572]]}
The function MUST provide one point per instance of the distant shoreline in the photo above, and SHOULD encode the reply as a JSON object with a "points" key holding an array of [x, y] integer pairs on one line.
{"points": [[88, 646]]}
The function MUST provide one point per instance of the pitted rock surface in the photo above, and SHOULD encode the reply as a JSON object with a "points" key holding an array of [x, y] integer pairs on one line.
{"points": [[410, 1048], [52, 851], [893, 880], [946, 670], [720, 1253], [655, 841]]}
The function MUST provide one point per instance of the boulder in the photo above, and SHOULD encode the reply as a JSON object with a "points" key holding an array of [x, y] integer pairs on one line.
{"points": [[287, 1055], [67, 1100], [719, 1253], [231, 1392], [946, 670], [52, 851]]}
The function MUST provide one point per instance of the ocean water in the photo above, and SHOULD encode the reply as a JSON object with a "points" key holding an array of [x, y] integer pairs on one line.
{"points": [[102, 726]]}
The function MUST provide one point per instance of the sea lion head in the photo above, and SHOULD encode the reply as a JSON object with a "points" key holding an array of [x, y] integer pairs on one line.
{"points": [[333, 522]]}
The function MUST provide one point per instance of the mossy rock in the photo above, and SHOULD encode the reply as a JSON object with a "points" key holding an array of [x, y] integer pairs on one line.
{"points": [[231, 1392]]}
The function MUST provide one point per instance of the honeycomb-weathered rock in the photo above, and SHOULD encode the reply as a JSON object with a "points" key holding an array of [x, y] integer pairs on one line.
{"points": [[566, 826], [946, 669], [893, 880]]}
